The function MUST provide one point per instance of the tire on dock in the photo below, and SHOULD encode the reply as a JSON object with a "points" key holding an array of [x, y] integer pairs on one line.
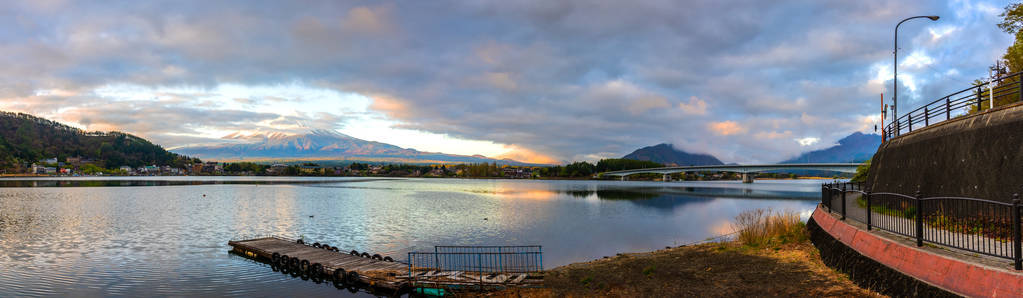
{"points": [[377, 257], [303, 266], [316, 244], [294, 263], [365, 255], [354, 252], [352, 278], [316, 270], [388, 259], [339, 276], [275, 258]]}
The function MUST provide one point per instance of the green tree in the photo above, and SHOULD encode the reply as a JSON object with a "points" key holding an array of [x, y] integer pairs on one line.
{"points": [[1012, 22]]}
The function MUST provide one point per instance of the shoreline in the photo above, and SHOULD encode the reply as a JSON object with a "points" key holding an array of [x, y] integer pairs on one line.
{"points": [[717, 269]]}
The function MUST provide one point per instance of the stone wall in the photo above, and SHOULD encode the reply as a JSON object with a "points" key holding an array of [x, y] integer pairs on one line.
{"points": [[979, 156]]}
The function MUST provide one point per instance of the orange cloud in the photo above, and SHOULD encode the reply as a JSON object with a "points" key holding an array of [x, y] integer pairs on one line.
{"points": [[393, 107], [526, 155], [368, 20], [726, 128]]}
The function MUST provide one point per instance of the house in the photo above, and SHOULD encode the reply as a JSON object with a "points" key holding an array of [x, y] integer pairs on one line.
{"points": [[127, 170], [276, 169]]}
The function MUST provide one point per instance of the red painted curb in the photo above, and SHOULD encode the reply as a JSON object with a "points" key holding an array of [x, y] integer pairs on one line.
{"points": [[954, 275]]}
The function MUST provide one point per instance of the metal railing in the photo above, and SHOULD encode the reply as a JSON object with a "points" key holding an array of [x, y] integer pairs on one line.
{"points": [[480, 262], [980, 226], [985, 95]]}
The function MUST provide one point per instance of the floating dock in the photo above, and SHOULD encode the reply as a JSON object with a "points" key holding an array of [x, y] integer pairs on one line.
{"points": [[448, 267]]}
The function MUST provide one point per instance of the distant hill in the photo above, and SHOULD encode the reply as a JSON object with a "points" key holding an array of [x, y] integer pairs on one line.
{"points": [[325, 145], [857, 147], [668, 155], [25, 139]]}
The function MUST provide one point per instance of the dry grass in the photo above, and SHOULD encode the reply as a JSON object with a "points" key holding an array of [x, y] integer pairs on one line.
{"points": [[770, 257], [726, 269], [762, 227]]}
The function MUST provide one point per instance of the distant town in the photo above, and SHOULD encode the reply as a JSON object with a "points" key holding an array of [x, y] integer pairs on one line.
{"points": [[78, 166]]}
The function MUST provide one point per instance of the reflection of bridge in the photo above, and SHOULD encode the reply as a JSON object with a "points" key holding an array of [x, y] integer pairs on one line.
{"points": [[745, 170]]}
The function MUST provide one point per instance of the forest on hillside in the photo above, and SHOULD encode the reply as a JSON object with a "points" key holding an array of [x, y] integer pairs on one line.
{"points": [[25, 139]]}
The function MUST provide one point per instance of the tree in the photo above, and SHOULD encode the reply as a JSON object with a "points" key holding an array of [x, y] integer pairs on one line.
{"points": [[1012, 23]]}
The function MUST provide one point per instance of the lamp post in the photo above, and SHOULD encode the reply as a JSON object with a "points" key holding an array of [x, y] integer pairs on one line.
{"points": [[895, 65]]}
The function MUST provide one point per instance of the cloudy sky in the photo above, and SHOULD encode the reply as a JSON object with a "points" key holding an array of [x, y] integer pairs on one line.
{"points": [[541, 81]]}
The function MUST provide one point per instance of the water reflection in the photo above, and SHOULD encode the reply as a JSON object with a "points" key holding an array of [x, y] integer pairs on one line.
{"points": [[108, 240]]}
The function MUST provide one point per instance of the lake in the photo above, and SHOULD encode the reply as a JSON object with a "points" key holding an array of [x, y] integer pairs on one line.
{"points": [[167, 236]]}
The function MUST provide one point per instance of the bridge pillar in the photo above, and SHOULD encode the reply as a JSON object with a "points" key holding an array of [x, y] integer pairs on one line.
{"points": [[748, 177]]}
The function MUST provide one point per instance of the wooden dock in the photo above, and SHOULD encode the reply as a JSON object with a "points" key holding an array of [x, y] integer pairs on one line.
{"points": [[361, 269], [368, 271]]}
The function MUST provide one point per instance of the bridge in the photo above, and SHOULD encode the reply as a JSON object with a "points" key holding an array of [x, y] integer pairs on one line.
{"points": [[745, 170]]}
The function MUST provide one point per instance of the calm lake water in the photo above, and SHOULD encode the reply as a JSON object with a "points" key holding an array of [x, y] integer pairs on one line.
{"points": [[167, 236]]}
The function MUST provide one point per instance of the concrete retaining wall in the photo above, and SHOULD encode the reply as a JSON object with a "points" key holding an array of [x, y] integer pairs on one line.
{"points": [[895, 269], [979, 156]]}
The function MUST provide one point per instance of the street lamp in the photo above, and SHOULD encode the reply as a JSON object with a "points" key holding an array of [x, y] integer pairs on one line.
{"points": [[895, 65]]}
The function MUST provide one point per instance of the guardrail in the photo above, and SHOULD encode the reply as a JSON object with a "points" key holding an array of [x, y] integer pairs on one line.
{"points": [[986, 95], [980, 226]]}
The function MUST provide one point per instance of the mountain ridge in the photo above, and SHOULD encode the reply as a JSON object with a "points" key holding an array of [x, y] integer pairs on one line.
{"points": [[855, 148], [665, 153], [325, 145]]}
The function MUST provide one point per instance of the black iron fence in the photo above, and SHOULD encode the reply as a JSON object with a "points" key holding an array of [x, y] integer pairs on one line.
{"points": [[480, 264], [985, 95], [976, 225]]}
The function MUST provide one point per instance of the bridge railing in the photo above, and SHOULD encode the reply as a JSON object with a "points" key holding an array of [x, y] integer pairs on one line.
{"points": [[986, 95], [979, 226]]}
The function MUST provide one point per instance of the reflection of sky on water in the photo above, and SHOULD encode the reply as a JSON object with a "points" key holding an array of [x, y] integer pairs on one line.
{"points": [[172, 240]]}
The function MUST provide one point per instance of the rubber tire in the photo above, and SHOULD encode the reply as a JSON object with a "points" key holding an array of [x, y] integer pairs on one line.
{"points": [[294, 263], [339, 275], [354, 253], [284, 260], [276, 257], [377, 257], [316, 245], [299, 241], [388, 259], [303, 266], [316, 270], [352, 278], [324, 246], [335, 249], [365, 255]]}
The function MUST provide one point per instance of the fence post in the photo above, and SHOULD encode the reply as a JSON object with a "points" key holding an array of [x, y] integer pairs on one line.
{"points": [[979, 98], [919, 219], [867, 195], [843, 201], [1017, 252], [948, 109], [927, 117], [909, 119]]}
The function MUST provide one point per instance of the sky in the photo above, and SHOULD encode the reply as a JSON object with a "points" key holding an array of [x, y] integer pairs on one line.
{"points": [[536, 81]]}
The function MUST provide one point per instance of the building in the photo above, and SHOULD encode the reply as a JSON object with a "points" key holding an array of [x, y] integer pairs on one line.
{"points": [[276, 169]]}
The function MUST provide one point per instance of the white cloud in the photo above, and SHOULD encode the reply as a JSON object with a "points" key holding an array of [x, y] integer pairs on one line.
{"points": [[807, 141]]}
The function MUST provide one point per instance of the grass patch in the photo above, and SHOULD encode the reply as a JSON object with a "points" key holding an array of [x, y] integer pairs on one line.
{"points": [[764, 227]]}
